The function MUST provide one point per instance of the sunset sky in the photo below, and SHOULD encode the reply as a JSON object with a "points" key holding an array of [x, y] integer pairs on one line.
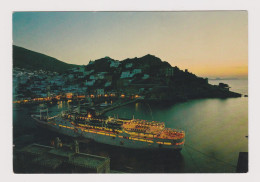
{"points": [[209, 43]]}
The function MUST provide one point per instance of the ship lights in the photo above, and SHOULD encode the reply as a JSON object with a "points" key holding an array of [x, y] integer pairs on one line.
{"points": [[69, 95]]}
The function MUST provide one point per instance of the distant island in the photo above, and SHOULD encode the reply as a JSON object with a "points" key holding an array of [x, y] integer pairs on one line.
{"points": [[38, 75], [223, 78]]}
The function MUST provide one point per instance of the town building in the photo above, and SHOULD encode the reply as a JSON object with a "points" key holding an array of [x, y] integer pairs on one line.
{"points": [[126, 74], [108, 83], [90, 83], [100, 91], [136, 71], [128, 65], [146, 76], [114, 64]]}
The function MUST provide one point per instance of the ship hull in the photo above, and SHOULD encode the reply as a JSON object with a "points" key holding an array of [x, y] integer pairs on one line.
{"points": [[66, 128]]}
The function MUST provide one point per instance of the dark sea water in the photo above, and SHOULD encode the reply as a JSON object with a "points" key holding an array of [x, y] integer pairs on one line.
{"points": [[215, 134]]}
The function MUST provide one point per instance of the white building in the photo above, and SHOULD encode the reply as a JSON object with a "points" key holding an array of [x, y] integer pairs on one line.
{"points": [[126, 74], [114, 64], [107, 84], [71, 76], [101, 75], [129, 65], [146, 76], [90, 83], [74, 69], [92, 77], [136, 71], [88, 72]]}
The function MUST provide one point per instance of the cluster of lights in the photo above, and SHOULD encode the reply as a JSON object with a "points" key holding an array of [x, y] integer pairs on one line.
{"points": [[145, 137], [70, 96], [113, 135]]}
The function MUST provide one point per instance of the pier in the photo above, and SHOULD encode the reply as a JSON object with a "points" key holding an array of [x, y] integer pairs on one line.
{"points": [[116, 105], [36, 158]]}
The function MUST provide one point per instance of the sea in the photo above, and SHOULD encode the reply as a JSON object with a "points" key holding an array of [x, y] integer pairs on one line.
{"points": [[216, 131]]}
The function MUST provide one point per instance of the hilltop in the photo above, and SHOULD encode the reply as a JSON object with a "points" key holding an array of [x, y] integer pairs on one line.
{"points": [[27, 59]]}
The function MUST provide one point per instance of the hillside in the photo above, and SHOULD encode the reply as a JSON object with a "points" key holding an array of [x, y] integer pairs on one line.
{"points": [[165, 83], [24, 58], [149, 76]]}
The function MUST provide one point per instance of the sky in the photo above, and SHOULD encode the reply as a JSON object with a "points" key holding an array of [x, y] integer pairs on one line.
{"points": [[207, 43]]}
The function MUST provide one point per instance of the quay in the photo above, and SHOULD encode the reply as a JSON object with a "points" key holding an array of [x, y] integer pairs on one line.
{"points": [[114, 106], [36, 158]]}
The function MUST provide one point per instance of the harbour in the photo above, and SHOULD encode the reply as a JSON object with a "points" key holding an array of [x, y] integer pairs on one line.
{"points": [[201, 148]]}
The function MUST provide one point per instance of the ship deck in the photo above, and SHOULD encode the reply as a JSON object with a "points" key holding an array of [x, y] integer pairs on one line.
{"points": [[137, 128], [156, 129]]}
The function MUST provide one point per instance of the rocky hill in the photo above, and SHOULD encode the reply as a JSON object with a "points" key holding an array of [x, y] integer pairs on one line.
{"points": [[165, 83]]}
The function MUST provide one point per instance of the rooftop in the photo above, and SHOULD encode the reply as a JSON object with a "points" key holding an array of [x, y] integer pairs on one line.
{"points": [[51, 157]]}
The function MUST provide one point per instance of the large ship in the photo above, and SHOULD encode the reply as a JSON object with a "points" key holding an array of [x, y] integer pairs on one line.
{"points": [[129, 133]]}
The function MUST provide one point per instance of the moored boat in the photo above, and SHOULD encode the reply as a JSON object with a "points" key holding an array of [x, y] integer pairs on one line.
{"points": [[129, 133]]}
